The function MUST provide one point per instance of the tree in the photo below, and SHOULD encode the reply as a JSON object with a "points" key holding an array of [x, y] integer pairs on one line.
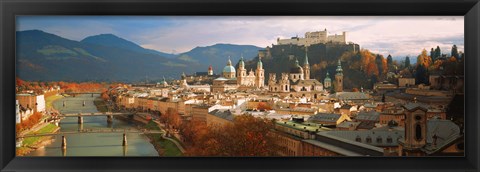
{"points": [[424, 59], [407, 62], [245, 136], [379, 63], [171, 118], [193, 131], [455, 52], [432, 54], [105, 96], [421, 74], [389, 60], [438, 52]]}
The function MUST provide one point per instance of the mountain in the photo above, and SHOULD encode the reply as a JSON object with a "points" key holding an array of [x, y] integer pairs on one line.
{"points": [[48, 57], [218, 54], [44, 56], [111, 40]]}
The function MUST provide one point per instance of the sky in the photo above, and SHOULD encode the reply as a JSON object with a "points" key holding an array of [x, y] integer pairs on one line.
{"points": [[395, 35]]}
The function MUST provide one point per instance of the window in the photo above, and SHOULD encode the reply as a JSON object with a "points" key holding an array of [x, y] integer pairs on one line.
{"points": [[369, 139], [418, 132], [418, 118], [379, 139], [358, 139], [389, 139]]}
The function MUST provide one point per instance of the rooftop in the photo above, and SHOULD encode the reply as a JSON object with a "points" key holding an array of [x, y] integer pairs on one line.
{"points": [[311, 127]]}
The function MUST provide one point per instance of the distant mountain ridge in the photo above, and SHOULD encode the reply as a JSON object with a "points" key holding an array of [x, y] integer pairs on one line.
{"points": [[47, 57], [111, 40], [218, 54]]}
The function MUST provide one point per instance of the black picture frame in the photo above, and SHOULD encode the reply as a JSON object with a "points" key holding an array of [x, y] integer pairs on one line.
{"points": [[11, 8]]}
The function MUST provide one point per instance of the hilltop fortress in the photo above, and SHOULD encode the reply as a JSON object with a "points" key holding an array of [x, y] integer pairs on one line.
{"points": [[318, 37]]}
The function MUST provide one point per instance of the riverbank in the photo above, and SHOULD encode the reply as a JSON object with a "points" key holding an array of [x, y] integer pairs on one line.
{"points": [[164, 147], [50, 99], [100, 104], [33, 143]]}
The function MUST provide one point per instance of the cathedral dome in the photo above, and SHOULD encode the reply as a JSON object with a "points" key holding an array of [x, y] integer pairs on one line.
{"points": [[228, 69], [296, 68]]}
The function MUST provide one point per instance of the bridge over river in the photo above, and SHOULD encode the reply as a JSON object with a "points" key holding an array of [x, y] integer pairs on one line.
{"points": [[94, 136]]}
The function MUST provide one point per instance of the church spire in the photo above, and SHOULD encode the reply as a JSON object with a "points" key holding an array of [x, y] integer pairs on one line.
{"points": [[339, 67], [305, 62]]}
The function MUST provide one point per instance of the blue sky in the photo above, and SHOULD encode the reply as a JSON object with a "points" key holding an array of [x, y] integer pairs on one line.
{"points": [[399, 36]]}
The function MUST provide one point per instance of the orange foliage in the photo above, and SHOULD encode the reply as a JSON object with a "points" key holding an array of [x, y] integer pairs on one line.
{"points": [[384, 66], [105, 96], [246, 136], [372, 69], [30, 122], [171, 118], [193, 131], [453, 59], [263, 106], [424, 59]]}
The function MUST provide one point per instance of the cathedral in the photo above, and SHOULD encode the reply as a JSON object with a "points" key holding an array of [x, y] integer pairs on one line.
{"points": [[297, 82], [231, 80]]}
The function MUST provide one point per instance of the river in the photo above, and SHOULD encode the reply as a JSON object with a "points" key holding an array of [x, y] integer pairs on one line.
{"points": [[93, 144]]}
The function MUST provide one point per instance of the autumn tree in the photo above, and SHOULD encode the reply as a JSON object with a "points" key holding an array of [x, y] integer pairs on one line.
{"points": [[105, 96], [193, 131], [246, 136], [424, 59], [372, 69], [171, 118]]}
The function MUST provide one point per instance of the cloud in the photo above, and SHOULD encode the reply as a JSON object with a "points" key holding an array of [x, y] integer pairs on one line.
{"points": [[399, 36]]}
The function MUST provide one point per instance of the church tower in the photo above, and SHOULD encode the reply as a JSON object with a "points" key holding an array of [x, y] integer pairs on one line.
{"points": [[242, 72], [415, 129], [260, 77], [210, 70], [285, 83], [339, 77], [327, 81], [272, 81], [306, 66]]}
